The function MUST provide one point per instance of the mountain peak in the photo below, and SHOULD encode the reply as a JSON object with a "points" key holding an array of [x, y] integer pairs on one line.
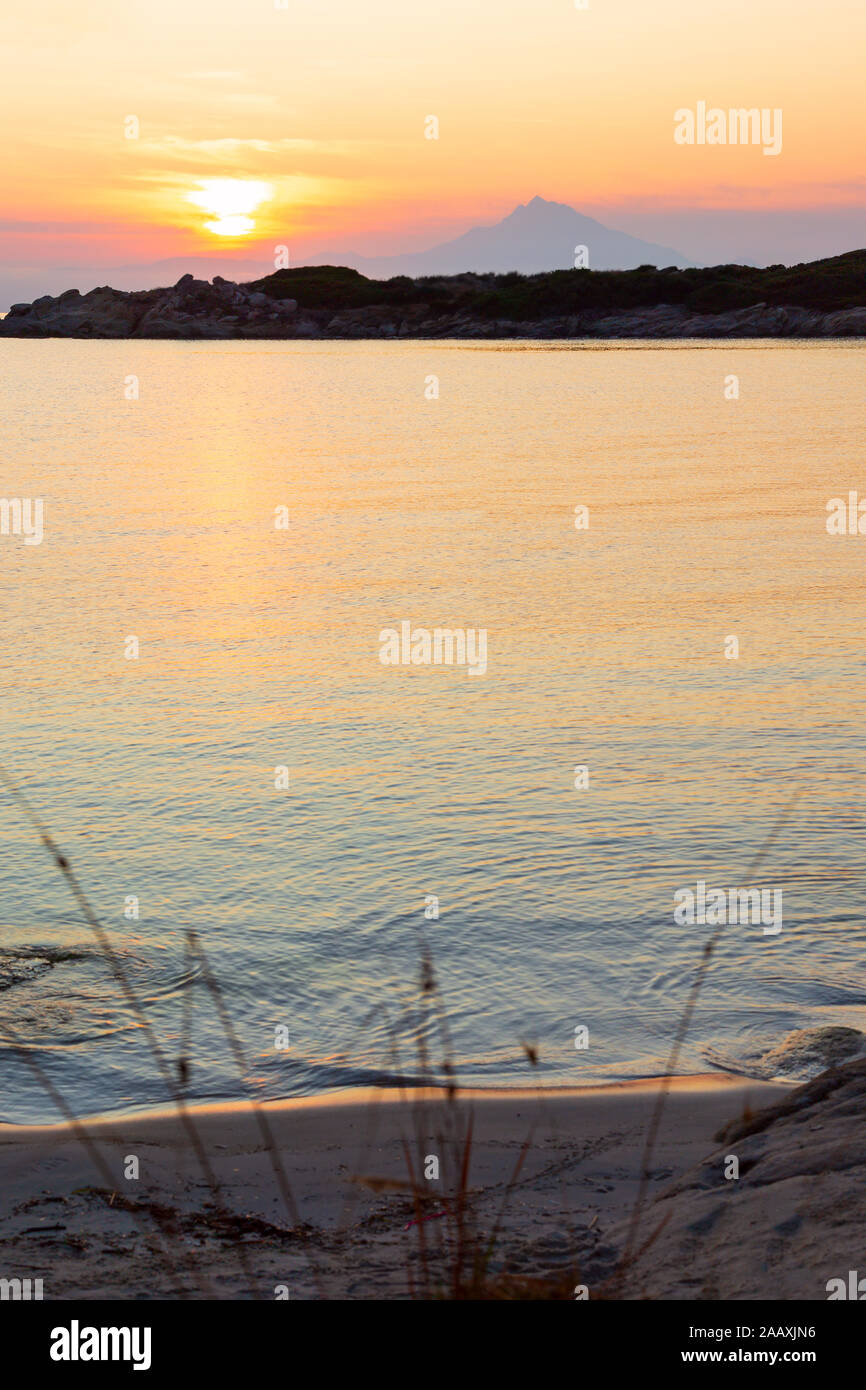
{"points": [[536, 236], [539, 204], [541, 216]]}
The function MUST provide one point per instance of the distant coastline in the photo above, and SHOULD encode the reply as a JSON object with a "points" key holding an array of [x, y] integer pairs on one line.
{"points": [[822, 299]]}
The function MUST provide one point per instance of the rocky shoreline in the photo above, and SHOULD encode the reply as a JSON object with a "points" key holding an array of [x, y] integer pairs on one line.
{"points": [[197, 309]]}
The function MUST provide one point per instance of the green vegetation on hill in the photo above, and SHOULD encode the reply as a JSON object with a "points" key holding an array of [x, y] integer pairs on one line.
{"points": [[824, 286]]}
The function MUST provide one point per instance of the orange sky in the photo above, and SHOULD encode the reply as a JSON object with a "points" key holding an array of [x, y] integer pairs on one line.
{"points": [[324, 103]]}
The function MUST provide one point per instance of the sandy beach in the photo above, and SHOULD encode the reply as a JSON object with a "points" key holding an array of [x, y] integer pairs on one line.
{"points": [[355, 1231]]}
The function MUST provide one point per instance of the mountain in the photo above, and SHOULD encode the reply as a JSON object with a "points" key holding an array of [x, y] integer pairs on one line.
{"points": [[535, 237]]}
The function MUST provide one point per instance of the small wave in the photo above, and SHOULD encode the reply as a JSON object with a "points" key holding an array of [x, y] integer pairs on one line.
{"points": [[23, 964], [798, 1057], [66, 995]]}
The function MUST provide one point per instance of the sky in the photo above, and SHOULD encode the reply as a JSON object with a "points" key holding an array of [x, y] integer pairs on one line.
{"points": [[257, 126]]}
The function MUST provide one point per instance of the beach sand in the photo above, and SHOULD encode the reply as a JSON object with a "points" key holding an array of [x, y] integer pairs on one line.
{"points": [[565, 1216]]}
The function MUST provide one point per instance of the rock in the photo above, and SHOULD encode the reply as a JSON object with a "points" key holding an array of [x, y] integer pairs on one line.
{"points": [[198, 309], [846, 323], [792, 1222]]}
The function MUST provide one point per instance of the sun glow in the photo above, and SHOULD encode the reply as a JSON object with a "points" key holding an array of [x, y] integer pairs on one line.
{"points": [[230, 201]]}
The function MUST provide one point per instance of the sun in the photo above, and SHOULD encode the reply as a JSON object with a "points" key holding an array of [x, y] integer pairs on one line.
{"points": [[230, 201]]}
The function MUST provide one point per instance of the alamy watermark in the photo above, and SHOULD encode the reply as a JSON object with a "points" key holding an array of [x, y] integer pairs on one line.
{"points": [[443, 646], [854, 1288], [20, 1290], [846, 518], [717, 906], [22, 516], [77, 1343], [736, 126]]}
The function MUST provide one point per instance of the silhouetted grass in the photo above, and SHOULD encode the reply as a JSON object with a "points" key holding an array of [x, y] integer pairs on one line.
{"points": [[455, 1246], [117, 968], [679, 1038], [161, 1249]]}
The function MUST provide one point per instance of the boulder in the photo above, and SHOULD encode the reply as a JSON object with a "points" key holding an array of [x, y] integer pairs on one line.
{"points": [[790, 1226]]}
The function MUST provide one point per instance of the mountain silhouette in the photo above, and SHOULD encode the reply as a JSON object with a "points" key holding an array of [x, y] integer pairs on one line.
{"points": [[536, 236]]}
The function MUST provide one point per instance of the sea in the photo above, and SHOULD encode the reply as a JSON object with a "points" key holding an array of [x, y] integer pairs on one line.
{"points": [[304, 855]]}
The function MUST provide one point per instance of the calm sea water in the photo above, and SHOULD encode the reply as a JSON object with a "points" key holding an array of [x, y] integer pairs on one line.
{"points": [[259, 648]]}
